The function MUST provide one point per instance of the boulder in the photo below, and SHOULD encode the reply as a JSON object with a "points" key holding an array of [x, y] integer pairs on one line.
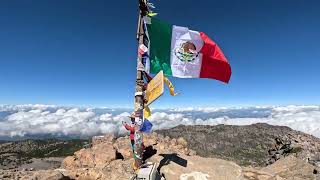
{"points": [[86, 157], [103, 139], [150, 139], [119, 170], [46, 175], [174, 142], [123, 146], [291, 168], [99, 155], [70, 162], [85, 174], [103, 153], [192, 152], [181, 141], [249, 173], [198, 168]]}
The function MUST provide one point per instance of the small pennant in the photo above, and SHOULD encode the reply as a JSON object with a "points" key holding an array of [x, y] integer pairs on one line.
{"points": [[140, 67], [142, 49], [150, 5], [152, 14]]}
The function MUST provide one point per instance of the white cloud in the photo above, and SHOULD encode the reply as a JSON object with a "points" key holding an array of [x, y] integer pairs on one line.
{"points": [[4, 108], [216, 109], [36, 120], [106, 117], [47, 119], [301, 118]]}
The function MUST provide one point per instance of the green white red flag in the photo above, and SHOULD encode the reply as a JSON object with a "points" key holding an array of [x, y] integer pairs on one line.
{"points": [[184, 53]]}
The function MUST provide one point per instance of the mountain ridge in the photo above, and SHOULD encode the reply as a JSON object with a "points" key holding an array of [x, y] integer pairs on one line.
{"points": [[257, 144], [180, 153]]}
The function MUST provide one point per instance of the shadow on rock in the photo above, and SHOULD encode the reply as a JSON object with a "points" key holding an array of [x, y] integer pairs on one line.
{"points": [[149, 152], [167, 158]]}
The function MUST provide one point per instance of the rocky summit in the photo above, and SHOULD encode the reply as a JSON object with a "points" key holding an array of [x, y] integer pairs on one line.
{"points": [[255, 145], [184, 156]]}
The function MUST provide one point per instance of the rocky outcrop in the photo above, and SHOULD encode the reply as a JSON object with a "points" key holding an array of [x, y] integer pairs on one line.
{"points": [[99, 155], [291, 167], [46, 175], [108, 158], [177, 161], [109, 139], [250, 145], [111, 158], [71, 162], [197, 167], [123, 148], [32, 175]]}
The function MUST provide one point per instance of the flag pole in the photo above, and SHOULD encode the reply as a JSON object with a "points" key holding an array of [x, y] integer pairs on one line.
{"points": [[139, 95]]}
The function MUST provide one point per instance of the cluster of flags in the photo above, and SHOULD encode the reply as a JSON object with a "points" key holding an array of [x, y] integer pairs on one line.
{"points": [[154, 89], [151, 13], [179, 52], [146, 127]]}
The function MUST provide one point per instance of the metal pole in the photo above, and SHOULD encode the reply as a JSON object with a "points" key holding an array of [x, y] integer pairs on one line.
{"points": [[139, 97]]}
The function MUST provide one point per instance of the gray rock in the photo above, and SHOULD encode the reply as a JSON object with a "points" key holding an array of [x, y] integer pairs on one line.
{"points": [[46, 175], [253, 145]]}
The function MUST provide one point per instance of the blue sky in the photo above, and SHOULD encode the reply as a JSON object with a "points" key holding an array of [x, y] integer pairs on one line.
{"points": [[84, 52]]}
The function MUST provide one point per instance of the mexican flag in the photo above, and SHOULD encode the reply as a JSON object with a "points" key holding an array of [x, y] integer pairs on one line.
{"points": [[184, 53]]}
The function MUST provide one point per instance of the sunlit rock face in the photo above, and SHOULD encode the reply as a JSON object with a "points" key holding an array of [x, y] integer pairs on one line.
{"points": [[111, 158]]}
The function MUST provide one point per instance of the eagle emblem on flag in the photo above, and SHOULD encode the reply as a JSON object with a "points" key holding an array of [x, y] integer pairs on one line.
{"points": [[186, 52]]}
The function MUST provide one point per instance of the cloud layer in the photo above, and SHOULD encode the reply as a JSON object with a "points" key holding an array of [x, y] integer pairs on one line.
{"points": [[33, 120]]}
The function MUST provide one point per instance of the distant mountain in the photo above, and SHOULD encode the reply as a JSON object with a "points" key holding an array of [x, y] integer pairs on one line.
{"points": [[15, 153], [257, 145]]}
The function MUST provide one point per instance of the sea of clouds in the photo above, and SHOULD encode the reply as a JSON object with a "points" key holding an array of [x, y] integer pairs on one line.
{"points": [[18, 121]]}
